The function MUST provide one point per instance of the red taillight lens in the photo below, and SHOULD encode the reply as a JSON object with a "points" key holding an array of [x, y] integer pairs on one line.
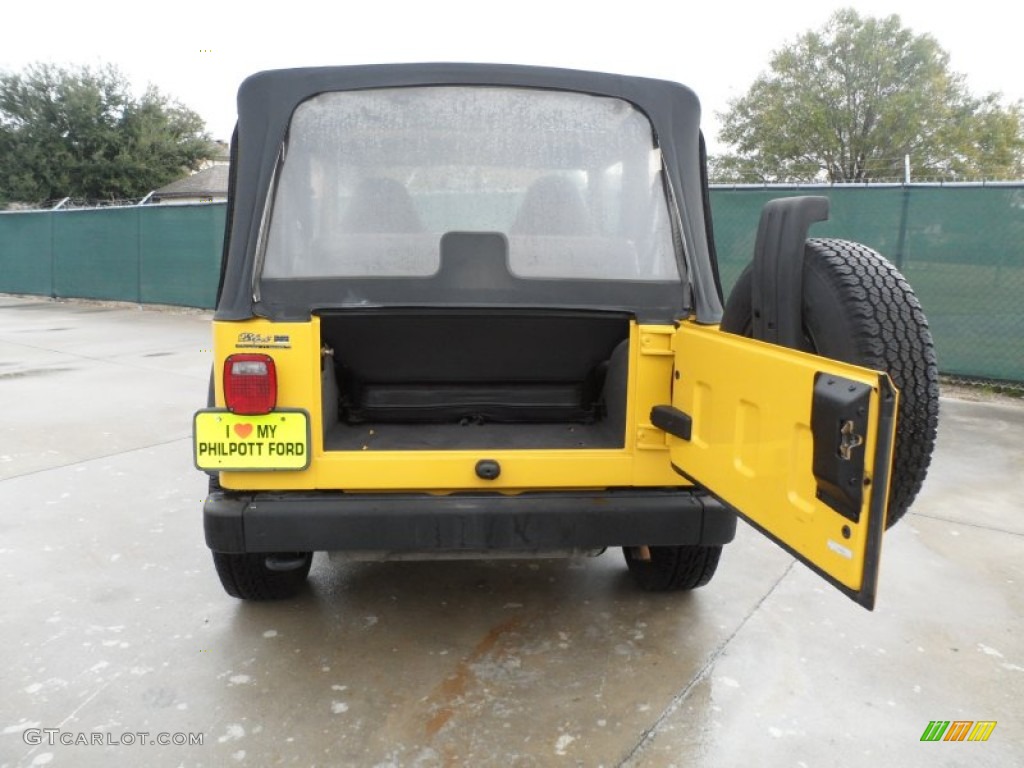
{"points": [[250, 384]]}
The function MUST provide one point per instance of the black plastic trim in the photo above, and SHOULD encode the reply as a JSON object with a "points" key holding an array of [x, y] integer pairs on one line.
{"points": [[839, 421], [317, 521], [779, 268], [672, 420], [295, 299]]}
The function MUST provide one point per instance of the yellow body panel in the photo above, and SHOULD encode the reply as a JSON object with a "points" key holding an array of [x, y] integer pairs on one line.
{"points": [[642, 461], [751, 443]]}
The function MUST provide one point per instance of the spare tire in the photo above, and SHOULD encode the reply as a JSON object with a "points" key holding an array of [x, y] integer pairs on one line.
{"points": [[858, 308]]}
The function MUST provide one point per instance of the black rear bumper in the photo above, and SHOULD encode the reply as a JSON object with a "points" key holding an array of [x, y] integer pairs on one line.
{"points": [[463, 522]]}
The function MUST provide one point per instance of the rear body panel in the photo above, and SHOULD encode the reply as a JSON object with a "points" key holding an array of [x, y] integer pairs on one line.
{"points": [[296, 349]]}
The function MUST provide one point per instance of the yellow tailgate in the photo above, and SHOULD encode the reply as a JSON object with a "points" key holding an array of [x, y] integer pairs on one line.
{"points": [[798, 444]]}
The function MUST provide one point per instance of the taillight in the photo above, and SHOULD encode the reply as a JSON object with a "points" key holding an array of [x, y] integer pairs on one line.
{"points": [[250, 384]]}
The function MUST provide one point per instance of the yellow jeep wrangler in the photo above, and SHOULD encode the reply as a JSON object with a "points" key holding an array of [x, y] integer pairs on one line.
{"points": [[474, 311]]}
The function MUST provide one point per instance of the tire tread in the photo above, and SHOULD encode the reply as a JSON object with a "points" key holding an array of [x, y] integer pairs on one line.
{"points": [[892, 335]]}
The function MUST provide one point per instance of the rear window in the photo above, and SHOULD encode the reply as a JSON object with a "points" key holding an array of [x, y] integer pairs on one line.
{"points": [[369, 181]]}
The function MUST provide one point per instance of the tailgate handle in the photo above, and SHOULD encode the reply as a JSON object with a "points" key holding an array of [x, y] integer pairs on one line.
{"points": [[672, 420]]}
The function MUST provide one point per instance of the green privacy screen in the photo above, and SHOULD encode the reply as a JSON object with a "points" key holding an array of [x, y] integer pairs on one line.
{"points": [[96, 254], [146, 254], [965, 258], [26, 245], [180, 250], [867, 215], [961, 247]]}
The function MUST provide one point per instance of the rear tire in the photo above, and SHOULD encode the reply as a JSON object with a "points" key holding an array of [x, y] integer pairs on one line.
{"points": [[672, 569], [858, 308], [247, 577]]}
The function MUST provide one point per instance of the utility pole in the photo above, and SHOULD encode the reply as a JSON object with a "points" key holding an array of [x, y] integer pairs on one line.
{"points": [[898, 257]]}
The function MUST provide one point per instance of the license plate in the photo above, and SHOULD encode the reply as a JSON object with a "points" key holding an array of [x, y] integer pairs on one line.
{"points": [[222, 440]]}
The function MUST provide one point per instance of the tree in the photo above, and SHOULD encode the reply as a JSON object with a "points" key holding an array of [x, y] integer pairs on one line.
{"points": [[848, 102], [81, 133]]}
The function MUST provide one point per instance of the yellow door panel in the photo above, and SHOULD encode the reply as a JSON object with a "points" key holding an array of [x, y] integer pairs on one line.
{"points": [[798, 444]]}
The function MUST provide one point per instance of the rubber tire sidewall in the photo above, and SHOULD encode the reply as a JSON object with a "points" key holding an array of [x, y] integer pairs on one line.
{"points": [[247, 577]]}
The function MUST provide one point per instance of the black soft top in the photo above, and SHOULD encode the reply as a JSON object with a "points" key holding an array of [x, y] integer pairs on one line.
{"points": [[266, 101]]}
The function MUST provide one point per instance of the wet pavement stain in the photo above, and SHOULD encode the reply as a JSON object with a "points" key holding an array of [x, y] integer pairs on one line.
{"points": [[446, 696], [32, 373]]}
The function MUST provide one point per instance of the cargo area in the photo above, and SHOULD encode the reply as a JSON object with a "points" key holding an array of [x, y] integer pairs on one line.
{"points": [[449, 379]]}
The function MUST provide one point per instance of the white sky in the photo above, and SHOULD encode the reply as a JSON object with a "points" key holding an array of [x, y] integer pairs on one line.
{"points": [[200, 52]]}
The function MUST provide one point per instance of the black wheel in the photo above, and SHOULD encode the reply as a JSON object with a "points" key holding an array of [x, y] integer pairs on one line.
{"points": [[858, 308], [247, 577], [669, 569]]}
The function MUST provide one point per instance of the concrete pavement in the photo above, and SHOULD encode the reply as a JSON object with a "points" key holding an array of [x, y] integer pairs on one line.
{"points": [[113, 622]]}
